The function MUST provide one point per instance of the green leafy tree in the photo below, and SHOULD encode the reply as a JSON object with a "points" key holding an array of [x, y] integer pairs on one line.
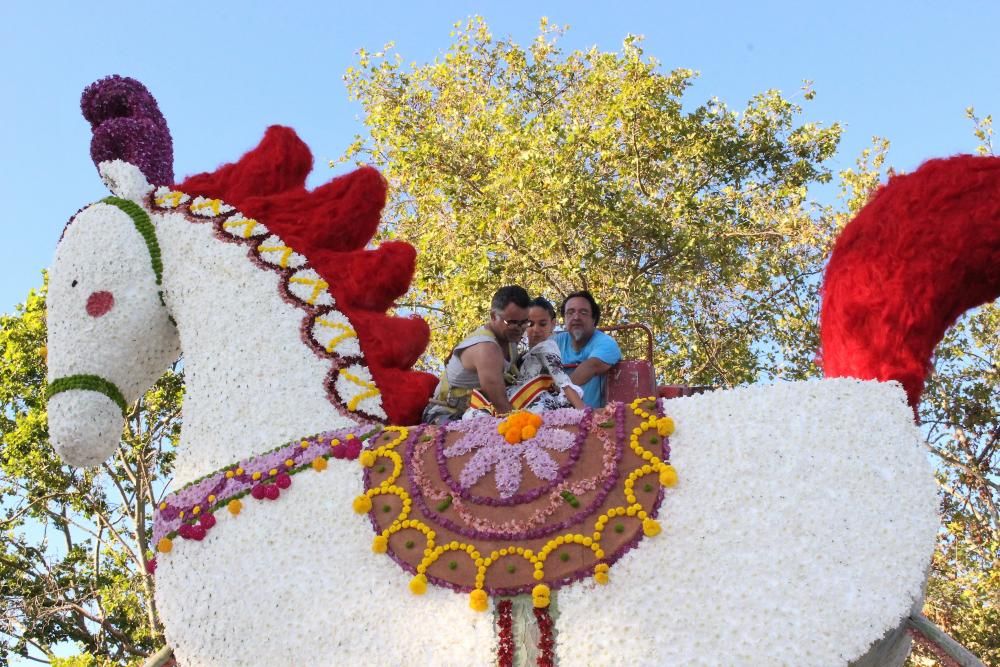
{"points": [[562, 170], [590, 169], [961, 410], [74, 544]]}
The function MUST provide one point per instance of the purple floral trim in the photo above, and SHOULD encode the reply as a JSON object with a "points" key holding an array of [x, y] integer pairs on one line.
{"points": [[496, 453], [532, 533], [127, 125], [167, 521], [560, 417]]}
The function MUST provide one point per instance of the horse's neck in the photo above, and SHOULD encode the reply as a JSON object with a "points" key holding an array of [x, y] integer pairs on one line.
{"points": [[250, 382]]}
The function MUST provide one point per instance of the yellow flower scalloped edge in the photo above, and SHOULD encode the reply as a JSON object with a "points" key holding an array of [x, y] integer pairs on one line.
{"points": [[478, 598]]}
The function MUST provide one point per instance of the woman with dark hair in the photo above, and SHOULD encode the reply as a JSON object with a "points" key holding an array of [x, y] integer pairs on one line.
{"points": [[541, 383]]}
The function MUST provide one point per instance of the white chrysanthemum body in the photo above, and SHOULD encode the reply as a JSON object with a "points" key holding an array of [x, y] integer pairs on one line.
{"points": [[294, 582], [251, 382], [799, 534]]}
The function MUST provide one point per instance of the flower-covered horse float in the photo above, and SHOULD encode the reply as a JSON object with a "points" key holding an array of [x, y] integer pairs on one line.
{"points": [[311, 522]]}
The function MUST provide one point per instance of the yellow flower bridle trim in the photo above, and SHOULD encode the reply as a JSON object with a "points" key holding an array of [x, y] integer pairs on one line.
{"points": [[346, 332], [370, 389]]}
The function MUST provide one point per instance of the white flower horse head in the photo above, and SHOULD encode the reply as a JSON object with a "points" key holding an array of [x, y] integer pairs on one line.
{"points": [[799, 532], [133, 277], [108, 322]]}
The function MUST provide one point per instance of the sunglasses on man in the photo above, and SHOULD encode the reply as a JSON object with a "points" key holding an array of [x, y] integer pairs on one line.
{"points": [[519, 324]]}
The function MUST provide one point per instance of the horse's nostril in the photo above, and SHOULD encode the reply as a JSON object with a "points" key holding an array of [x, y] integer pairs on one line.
{"points": [[99, 303]]}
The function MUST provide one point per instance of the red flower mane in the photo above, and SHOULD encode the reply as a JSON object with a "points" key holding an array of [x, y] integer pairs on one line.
{"points": [[331, 226]]}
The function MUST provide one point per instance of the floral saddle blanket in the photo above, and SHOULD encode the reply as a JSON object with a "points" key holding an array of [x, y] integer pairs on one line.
{"points": [[522, 504], [488, 506]]}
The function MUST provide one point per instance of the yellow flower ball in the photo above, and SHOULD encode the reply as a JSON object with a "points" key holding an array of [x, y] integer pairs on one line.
{"points": [[196, 510], [380, 544], [234, 506], [362, 504], [651, 527], [540, 596], [319, 464], [668, 475], [478, 601], [418, 584], [367, 458], [528, 432], [164, 545], [601, 578], [256, 476], [665, 426]]}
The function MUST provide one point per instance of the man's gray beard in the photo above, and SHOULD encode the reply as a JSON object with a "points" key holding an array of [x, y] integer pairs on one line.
{"points": [[577, 335]]}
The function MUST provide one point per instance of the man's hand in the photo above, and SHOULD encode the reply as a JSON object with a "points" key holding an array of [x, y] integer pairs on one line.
{"points": [[487, 360], [588, 369]]}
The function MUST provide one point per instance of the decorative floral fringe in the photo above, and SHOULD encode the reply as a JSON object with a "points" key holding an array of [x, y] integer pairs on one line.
{"points": [[546, 641], [505, 623]]}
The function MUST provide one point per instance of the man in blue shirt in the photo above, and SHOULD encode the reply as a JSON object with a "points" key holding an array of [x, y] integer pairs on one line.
{"points": [[586, 352]]}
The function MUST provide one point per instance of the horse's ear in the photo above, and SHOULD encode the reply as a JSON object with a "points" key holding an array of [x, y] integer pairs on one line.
{"points": [[124, 179], [127, 125]]}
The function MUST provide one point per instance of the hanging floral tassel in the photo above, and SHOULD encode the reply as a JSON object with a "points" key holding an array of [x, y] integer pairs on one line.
{"points": [[546, 641], [505, 622]]}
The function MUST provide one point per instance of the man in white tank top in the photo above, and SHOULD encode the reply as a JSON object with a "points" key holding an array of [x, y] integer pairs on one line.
{"points": [[483, 358]]}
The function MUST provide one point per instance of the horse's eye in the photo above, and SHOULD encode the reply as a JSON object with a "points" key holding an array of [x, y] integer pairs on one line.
{"points": [[73, 284]]}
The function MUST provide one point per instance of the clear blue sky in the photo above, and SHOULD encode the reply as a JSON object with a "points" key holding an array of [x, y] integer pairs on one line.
{"points": [[222, 71]]}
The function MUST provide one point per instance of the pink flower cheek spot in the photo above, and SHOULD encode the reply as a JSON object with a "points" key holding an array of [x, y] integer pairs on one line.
{"points": [[99, 303]]}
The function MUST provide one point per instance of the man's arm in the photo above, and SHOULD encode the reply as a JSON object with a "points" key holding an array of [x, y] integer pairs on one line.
{"points": [[603, 356], [588, 369], [487, 360], [574, 398]]}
